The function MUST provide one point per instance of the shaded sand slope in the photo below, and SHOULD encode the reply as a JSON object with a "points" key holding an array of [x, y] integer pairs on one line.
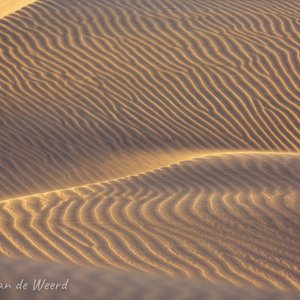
{"points": [[103, 285], [10, 6], [231, 218], [83, 82]]}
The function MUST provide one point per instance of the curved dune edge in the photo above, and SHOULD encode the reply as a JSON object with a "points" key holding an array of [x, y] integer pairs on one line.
{"points": [[83, 81], [107, 285], [106, 90], [107, 167], [222, 218], [8, 7], [140, 161]]}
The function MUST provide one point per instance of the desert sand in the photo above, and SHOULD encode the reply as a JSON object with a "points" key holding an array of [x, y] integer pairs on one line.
{"points": [[9, 6], [150, 148]]}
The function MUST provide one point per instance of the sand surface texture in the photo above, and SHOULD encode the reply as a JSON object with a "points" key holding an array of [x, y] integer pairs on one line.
{"points": [[151, 148], [10, 6]]}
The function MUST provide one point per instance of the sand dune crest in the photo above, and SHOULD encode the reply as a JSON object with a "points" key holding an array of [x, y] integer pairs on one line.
{"points": [[10, 6], [83, 82], [151, 148], [230, 218]]}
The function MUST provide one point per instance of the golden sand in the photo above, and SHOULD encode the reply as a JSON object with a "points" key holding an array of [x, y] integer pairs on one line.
{"points": [[156, 137], [84, 82], [10, 6], [231, 218]]}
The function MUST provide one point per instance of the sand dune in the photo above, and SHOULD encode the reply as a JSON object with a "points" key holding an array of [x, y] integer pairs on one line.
{"points": [[151, 148], [10, 6], [230, 218], [83, 82], [103, 285]]}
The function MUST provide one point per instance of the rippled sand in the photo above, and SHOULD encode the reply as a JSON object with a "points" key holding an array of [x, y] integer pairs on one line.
{"points": [[151, 146]]}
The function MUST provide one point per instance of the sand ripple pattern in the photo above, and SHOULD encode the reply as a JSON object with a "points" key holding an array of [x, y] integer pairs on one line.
{"points": [[231, 218], [81, 80]]}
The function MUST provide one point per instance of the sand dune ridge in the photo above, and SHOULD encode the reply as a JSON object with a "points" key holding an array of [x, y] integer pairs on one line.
{"points": [[185, 220], [88, 79], [151, 148]]}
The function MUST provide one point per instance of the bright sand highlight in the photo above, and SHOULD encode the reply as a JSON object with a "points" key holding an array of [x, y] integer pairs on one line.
{"points": [[151, 148], [10, 6]]}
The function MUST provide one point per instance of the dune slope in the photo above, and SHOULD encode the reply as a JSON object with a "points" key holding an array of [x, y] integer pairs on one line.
{"points": [[83, 82], [103, 285], [231, 218], [150, 149], [10, 6]]}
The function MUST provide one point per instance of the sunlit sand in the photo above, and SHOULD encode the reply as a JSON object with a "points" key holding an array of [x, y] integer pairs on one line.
{"points": [[10, 6], [151, 145]]}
